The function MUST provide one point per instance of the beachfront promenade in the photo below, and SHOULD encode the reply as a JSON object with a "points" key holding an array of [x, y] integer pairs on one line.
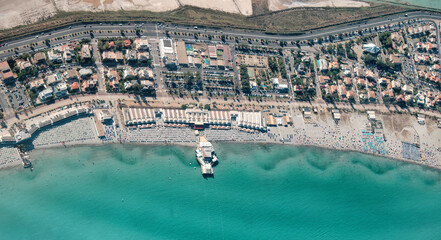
{"points": [[177, 102]]}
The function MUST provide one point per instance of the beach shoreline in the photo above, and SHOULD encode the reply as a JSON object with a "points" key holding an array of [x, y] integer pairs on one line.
{"points": [[397, 137], [190, 145]]}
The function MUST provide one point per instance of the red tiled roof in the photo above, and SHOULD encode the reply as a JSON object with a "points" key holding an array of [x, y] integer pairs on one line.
{"points": [[7, 75], [75, 86], [4, 65]]}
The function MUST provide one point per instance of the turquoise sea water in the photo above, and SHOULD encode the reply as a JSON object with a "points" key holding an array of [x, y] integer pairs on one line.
{"points": [[258, 192], [423, 3]]}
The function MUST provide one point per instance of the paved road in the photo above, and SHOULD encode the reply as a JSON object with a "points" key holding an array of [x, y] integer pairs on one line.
{"points": [[150, 30], [100, 68], [112, 30]]}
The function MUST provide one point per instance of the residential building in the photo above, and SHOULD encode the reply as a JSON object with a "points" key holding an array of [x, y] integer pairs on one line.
{"points": [[36, 84], [85, 52], [108, 56], [46, 94], [131, 55], [71, 75], [323, 65], [281, 85], [142, 44], [113, 78], [85, 72], [39, 58], [53, 79], [6, 73], [119, 57], [61, 89], [54, 57], [23, 64]]}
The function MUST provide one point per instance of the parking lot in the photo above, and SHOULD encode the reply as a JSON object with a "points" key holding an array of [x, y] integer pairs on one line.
{"points": [[17, 97]]}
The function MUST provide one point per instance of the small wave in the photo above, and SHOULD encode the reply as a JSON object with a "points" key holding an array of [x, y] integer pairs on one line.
{"points": [[377, 165]]}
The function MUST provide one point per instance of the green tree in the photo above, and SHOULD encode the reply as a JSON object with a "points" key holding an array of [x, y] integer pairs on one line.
{"points": [[272, 64], [369, 59], [245, 79], [340, 50], [386, 40], [189, 80]]}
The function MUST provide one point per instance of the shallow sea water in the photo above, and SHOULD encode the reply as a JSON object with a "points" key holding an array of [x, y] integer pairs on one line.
{"points": [[422, 3], [258, 192]]}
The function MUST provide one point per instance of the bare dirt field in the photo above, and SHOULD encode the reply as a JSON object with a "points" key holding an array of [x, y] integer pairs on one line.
{"points": [[294, 20], [20, 12], [275, 5], [24, 11]]}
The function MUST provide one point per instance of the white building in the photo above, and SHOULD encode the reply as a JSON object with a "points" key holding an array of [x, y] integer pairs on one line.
{"points": [[54, 57], [167, 52], [371, 48], [105, 116], [61, 89], [166, 47], [142, 44], [46, 94], [280, 85], [323, 65]]}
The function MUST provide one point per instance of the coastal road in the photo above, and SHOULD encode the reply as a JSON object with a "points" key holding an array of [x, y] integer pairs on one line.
{"points": [[152, 31], [102, 30]]}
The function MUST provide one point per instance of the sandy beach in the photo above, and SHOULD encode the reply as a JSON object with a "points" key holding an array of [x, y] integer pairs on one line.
{"points": [[349, 134]]}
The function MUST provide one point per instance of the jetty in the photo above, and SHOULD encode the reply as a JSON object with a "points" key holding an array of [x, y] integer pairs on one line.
{"points": [[206, 156]]}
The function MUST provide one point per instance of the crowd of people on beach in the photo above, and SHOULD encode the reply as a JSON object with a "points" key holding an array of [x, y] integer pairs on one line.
{"points": [[80, 130], [320, 133], [234, 135], [158, 135], [9, 156]]}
